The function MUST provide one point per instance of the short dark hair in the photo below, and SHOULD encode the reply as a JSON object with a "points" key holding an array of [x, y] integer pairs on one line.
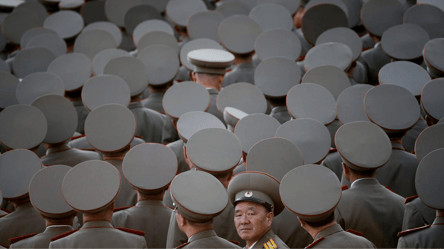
{"points": [[324, 222], [363, 174]]}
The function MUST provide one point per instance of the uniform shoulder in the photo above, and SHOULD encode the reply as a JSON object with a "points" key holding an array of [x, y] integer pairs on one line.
{"points": [[183, 245], [6, 210], [271, 243], [121, 208], [406, 232], [17, 239], [355, 232], [411, 198], [345, 187], [133, 231], [234, 242], [315, 242], [63, 235]]}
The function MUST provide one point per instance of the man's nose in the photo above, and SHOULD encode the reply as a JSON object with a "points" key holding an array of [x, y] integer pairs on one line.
{"points": [[244, 219]]}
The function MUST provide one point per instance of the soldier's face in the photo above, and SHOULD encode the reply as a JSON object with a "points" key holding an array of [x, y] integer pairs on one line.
{"points": [[252, 220]]}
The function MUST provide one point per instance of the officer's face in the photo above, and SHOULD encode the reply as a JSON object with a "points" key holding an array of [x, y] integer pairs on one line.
{"points": [[252, 220]]}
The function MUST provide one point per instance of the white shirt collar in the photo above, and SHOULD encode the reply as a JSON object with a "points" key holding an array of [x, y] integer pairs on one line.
{"points": [[351, 186]]}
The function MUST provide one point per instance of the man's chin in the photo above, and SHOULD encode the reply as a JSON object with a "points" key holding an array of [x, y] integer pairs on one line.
{"points": [[246, 234]]}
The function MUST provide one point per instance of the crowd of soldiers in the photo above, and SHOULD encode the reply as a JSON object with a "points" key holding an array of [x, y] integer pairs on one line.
{"points": [[222, 124]]}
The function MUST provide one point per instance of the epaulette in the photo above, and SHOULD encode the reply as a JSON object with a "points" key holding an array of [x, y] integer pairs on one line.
{"points": [[16, 239], [315, 242], [6, 210], [63, 235], [1, 216], [403, 233], [122, 208], [301, 58], [138, 136], [355, 232], [387, 187], [411, 198], [270, 244], [77, 137], [235, 242], [4, 246], [345, 187], [183, 245], [332, 150], [134, 231]]}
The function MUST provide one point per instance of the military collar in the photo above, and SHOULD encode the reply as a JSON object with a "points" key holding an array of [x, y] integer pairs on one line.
{"points": [[279, 109], [267, 236], [213, 91], [377, 45], [57, 149], [364, 182], [77, 103], [135, 105], [438, 221], [58, 228], [397, 146], [245, 65], [329, 231], [24, 207], [97, 224], [202, 235], [149, 203]]}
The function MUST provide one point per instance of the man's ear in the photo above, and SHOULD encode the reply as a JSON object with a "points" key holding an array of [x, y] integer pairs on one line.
{"points": [[303, 223], [193, 76], [270, 217], [180, 220], [346, 171]]}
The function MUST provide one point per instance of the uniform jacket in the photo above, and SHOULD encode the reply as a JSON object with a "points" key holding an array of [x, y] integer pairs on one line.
{"points": [[270, 241], [333, 161], [82, 113], [23, 221], [409, 140], [208, 239], [177, 148], [154, 102], [127, 195], [373, 60], [360, 73], [42, 240], [213, 104], [223, 225], [83, 144], [417, 214], [243, 72], [429, 237], [149, 123], [398, 173], [335, 237], [169, 132], [149, 216], [367, 42], [372, 209], [288, 228], [65, 155], [99, 234], [281, 114]]}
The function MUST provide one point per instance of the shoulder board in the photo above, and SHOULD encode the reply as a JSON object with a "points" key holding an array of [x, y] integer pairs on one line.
{"points": [[77, 137], [235, 242], [301, 58], [133, 231], [138, 136], [1, 216], [387, 187], [122, 208], [345, 187], [409, 199], [315, 242], [17, 239], [6, 210], [183, 245], [403, 233], [332, 150], [271, 244], [63, 235], [355, 232], [4, 246]]}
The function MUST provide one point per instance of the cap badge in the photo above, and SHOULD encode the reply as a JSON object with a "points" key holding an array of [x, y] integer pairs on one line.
{"points": [[249, 194]]}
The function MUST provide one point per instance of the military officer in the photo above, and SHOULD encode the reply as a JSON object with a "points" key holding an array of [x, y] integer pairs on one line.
{"points": [[135, 73], [301, 189], [435, 63], [149, 168], [110, 129], [195, 218], [218, 160], [237, 34], [210, 72], [377, 17], [427, 182], [94, 196], [275, 76], [45, 192], [232, 117], [74, 69], [367, 207], [430, 101], [17, 167], [256, 200], [23, 127], [61, 117]]}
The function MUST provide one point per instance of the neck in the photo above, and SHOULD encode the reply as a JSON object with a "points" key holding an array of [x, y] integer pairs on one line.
{"points": [[115, 155], [192, 230], [104, 215], [251, 242], [135, 98], [57, 222], [239, 59], [440, 213], [396, 140], [146, 197], [20, 202], [48, 146], [315, 231]]}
